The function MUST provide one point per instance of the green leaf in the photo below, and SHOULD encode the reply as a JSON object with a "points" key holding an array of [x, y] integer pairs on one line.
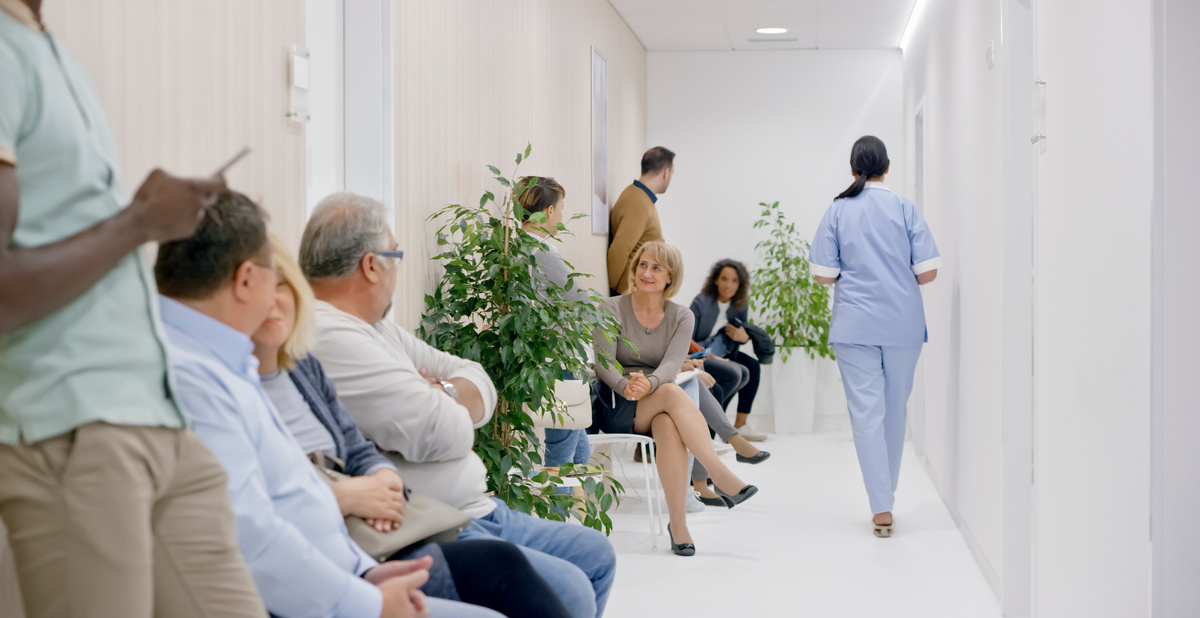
{"points": [[488, 278]]}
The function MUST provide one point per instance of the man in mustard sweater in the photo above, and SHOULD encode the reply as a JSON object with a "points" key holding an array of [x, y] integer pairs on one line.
{"points": [[634, 218]]}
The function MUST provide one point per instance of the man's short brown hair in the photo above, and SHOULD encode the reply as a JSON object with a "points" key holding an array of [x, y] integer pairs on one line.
{"points": [[657, 159], [232, 231]]}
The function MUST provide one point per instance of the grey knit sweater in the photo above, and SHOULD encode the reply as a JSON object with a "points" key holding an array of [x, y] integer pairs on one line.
{"points": [[660, 350]]}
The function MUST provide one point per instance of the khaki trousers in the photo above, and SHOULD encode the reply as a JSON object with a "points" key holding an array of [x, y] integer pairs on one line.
{"points": [[121, 521]]}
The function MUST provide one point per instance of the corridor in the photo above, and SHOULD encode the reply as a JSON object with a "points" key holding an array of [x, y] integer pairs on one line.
{"points": [[803, 546]]}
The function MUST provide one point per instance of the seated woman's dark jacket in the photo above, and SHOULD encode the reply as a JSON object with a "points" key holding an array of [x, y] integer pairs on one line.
{"points": [[359, 453]]}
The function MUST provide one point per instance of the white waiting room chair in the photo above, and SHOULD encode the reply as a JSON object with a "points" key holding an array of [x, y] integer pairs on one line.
{"points": [[580, 417]]}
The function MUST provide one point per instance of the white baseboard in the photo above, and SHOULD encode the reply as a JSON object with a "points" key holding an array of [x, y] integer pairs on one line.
{"points": [[985, 565]]}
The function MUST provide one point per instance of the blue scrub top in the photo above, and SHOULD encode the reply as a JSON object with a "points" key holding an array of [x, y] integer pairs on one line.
{"points": [[875, 244]]}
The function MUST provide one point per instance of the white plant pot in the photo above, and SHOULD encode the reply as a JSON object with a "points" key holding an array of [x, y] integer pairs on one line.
{"points": [[762, 414], [795, 389], [831, 411]]}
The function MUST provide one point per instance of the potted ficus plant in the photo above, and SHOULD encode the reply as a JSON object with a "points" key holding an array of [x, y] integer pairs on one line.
{"points": [[795, 311], [488, 308]]}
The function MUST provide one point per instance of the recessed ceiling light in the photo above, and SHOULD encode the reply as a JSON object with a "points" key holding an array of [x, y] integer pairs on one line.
{"points": [[771, 30]]}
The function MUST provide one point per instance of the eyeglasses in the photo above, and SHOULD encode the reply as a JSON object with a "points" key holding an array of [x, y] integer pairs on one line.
{"points": [[392, 254]]}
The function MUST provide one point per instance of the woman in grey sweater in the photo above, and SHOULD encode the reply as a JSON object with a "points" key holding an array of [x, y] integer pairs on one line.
{"points": [[538, 194], [646, 399]]}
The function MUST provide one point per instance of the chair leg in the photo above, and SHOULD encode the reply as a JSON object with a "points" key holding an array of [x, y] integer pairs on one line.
{"points": [[651, 498], [655, 484]]}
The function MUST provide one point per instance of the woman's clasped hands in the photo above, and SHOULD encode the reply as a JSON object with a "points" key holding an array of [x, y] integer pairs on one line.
{"points": [[637, 387], [377, 498]]}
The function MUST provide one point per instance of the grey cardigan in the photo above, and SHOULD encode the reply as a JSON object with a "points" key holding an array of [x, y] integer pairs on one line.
{"points": [[556, 269]]}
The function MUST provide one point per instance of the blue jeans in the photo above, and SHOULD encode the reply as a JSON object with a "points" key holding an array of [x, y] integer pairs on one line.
{"points": [[452, 609], [579, 563], [567, 445]]}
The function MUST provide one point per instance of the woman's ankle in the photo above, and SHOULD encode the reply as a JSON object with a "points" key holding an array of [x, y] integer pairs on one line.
{"points": [[742, 446], [729, 484]]}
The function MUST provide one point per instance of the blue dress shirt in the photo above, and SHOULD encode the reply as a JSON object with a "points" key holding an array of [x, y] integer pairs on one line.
{"points": [[289, 526], [875, 244]]}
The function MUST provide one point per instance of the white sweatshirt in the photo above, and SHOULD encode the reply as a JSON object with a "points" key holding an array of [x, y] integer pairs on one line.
{"points": [[426, 434]]}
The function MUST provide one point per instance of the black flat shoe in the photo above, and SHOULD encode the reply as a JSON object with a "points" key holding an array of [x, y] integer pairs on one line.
{"points": [[738, 498], [712, 501], [759, 458], [680, 549]]}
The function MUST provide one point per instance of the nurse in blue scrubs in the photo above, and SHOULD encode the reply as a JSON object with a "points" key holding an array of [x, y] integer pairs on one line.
{"points": [[877, 248]]}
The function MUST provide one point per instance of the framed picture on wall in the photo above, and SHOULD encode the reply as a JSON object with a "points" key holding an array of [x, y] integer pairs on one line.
{"points": [[599, 144]]}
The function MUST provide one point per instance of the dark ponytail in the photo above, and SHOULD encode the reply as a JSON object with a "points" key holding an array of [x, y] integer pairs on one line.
{"points": [[868, 159]]}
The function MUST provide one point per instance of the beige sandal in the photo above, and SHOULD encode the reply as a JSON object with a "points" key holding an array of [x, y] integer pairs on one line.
{"points": [[883, 531]]}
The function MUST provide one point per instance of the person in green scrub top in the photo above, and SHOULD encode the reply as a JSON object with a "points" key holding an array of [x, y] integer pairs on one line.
{"points": [[113, 507]]}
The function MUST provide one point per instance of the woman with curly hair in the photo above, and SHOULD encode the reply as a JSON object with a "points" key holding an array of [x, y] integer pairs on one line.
{"points": [[721, 315]]}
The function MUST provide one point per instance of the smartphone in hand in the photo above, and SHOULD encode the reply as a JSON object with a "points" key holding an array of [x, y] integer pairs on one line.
{"points": [[234, 159], [701, 353]]}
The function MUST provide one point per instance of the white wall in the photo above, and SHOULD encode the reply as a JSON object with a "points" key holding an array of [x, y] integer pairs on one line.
{"points": [[324, 156], [1092, 552], [1176, 303], [1091, 293], [963, 99], [750, 127], [187, 84], [475, 81]]}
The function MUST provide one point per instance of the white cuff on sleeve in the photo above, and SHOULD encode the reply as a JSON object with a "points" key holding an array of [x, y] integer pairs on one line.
{"points": [[927, 265], [823, 271]]}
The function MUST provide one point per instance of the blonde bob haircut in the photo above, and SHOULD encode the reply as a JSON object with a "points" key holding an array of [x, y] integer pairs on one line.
{"points": [[664, 254], [298, 341]]}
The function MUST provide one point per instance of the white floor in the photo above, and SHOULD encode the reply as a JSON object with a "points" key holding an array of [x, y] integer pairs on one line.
{"points": [[801, 547]]}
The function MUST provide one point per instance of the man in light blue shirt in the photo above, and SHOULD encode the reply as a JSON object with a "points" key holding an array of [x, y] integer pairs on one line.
{"points": [[101, 481], [218, 287]]}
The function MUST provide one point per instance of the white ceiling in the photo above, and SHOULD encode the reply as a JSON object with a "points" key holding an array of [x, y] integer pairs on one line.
{"points": [[723, 25]]}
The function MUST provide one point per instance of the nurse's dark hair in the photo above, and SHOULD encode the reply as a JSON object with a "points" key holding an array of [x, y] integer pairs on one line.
{"points": [[868, 159], [710, 284]]}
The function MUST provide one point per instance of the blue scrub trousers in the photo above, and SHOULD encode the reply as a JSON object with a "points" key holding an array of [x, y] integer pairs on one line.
{"points": [[878, 381]]}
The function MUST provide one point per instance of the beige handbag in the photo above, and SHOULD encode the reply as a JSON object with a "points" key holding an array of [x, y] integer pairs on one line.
{"points": [[426, 520], [572, 399]]}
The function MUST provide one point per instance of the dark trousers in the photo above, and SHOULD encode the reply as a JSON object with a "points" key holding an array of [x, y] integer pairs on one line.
{"points": [[739, 375], [496, 575]]}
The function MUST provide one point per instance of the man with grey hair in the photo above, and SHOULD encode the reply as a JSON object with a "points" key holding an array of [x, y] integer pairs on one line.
{"points": [[422, 406]]}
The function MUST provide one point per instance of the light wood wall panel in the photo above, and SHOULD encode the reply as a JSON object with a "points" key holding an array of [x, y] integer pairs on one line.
{"points": [[186, 83], [478, 79]]}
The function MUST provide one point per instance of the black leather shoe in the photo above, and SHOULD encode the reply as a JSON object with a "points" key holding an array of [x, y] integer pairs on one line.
{"points": [[712, 501], [759, 458], [680, 549], [738, 498]]}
